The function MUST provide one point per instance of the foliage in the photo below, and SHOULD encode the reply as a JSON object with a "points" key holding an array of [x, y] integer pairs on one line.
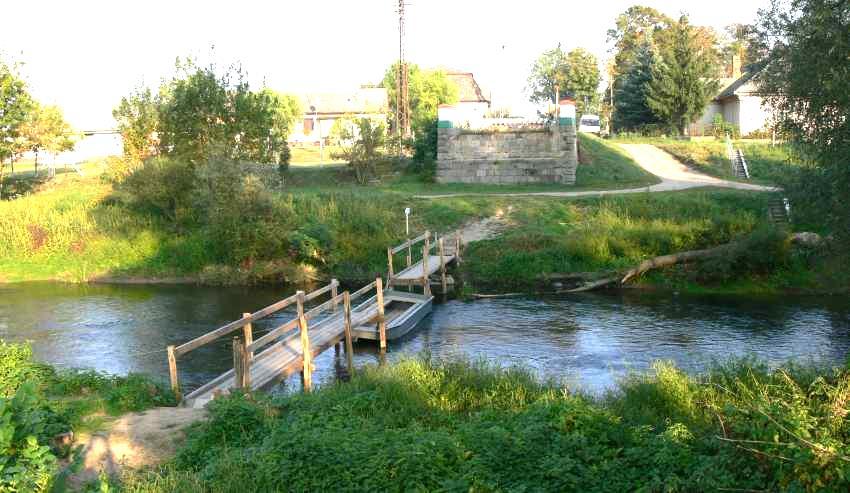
{"points": [[201, 113], [632, 111], [807, 82], [683, 78], [15, 106], [26, 462], [427, 89], [47, 130], [636, 27], [137, 117], [427, 425], [366, 150], [239, 214], [575, 73], [17, 367], [720, 128], [599, 235], [162, 185]]}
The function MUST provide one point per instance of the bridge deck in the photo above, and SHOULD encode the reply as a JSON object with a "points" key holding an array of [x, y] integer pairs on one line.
{"points": [[285, 357], [416, 272]]}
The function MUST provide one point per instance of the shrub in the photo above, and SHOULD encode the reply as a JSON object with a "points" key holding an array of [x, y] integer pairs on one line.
{"points": [[17, 367], [163, 185], [26, 425]]}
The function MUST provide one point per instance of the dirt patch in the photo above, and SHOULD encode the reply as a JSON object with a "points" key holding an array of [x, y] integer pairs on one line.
{"points": [[486, 228], [134, 441]]}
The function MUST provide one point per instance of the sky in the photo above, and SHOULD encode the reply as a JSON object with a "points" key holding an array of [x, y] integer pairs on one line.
{"points": [[85, 55]]}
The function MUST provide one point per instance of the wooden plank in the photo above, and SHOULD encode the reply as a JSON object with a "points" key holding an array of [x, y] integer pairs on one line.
{"points": [[349, 346], [324, 306], [209, 337], [315, 294], [334, 294], [275, 307], [412, 242], [274, 334], [238, 364], [172, 372], [306, 355], [248, 334], [382, 324], [360, 292]]}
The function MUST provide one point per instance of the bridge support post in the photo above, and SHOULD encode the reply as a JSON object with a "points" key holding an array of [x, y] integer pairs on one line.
{"points": [[172, 372], [248, 334], [426, 254], [306, 352], [443, 265], [334, 294], [349, 346], [241, 366], [382, 324], [390, 272]]}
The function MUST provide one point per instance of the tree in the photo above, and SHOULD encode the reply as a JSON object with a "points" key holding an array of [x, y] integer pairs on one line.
{"points": [[200, 113], [427, 90], [15, 106], [137, 116], [366, 150], [47, 130], [806, 81], [683, 79], [575, 73], [630, 92], [634, 28]]}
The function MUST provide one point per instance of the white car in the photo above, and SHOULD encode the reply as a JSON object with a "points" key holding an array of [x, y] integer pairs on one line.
{"points": [[589, 124]]}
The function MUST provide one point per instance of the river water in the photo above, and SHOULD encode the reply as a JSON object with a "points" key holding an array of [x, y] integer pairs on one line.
{"points": [[589, 341]]}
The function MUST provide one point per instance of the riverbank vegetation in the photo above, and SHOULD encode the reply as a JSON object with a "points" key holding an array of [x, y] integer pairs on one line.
{"points": [[41, 408], [426, 425]]}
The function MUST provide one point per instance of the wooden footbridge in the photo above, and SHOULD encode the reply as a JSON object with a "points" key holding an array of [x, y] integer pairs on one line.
{"points": [[342, 317]]}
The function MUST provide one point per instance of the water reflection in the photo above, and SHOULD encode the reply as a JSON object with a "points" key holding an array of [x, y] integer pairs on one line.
{"points": [[590, 340]]}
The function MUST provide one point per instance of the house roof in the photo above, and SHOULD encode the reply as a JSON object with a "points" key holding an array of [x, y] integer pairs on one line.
{"points": [[743, 85], [364, 100], [468, 90]]}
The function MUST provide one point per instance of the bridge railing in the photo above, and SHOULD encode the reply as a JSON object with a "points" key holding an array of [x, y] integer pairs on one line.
{"points": [[244, 323], [439, 247]]}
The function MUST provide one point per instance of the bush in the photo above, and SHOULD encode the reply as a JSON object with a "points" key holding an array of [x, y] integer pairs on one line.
{"points": [[17, 367], [26, 426], [163, 185]]}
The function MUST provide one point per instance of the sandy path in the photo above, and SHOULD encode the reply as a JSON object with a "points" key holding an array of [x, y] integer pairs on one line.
{"points": [[673, 174]]}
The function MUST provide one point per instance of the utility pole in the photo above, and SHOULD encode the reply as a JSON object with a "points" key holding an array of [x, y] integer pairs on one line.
{"points": [[402, 117]]}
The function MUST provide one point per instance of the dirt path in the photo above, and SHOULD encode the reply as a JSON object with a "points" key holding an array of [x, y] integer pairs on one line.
{"points": [[673, 174], [486, 228], [135, 440]]}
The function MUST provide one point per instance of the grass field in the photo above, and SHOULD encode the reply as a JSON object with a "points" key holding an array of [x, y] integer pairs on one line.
{"points": [[301, 155], [78, 228], [422, 425]]}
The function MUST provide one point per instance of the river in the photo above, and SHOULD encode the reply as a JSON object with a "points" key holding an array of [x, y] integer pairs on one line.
{"points": [[589, 341]]}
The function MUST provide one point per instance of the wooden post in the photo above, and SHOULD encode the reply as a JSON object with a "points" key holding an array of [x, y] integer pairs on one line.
{"points": [[334, 284], [390, 272], [172, 371], [426, 283], [248, 333], [409, 252], [382, 324], [457, 247], [238, 364], [306, 355], [442, 265], [349, 346]]}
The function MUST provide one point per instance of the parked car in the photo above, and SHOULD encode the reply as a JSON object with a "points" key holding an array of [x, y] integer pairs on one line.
{"points": [[589, 124]]}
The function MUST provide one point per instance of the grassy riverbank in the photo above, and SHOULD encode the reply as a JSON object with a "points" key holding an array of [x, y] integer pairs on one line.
{"points": [[39, 404], [455, 426], [315, 222]]}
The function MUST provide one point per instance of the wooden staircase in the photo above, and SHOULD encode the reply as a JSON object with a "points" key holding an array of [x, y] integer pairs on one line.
{"points": [[739, 164], [779, 212]]}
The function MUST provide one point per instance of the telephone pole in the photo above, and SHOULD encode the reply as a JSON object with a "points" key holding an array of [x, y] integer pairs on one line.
{"points": [[402, 102]]}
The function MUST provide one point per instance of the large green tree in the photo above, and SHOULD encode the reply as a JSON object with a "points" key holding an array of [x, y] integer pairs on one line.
{"points": [[806, 80], [684, 77], [427, 90], [634, 28], [15, 107], [630, 89], [201, 113], [46, 130], [576, 74]]}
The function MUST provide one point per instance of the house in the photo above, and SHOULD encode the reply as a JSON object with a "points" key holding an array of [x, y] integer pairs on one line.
{"points": [[472, 104], [321, 110], [738, 101]]}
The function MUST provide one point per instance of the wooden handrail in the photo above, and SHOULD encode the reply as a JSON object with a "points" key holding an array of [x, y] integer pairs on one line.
{"points": [[365, 289], [411, 242], [271, 336], [324, 306]]}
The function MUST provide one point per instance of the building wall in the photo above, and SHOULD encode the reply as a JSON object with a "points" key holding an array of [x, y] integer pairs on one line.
{"points": [[536, 155], [752, 115], [712, 109]]}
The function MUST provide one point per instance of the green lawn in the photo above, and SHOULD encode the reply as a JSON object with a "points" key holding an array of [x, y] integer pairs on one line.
{"points": [[301, 155]]}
